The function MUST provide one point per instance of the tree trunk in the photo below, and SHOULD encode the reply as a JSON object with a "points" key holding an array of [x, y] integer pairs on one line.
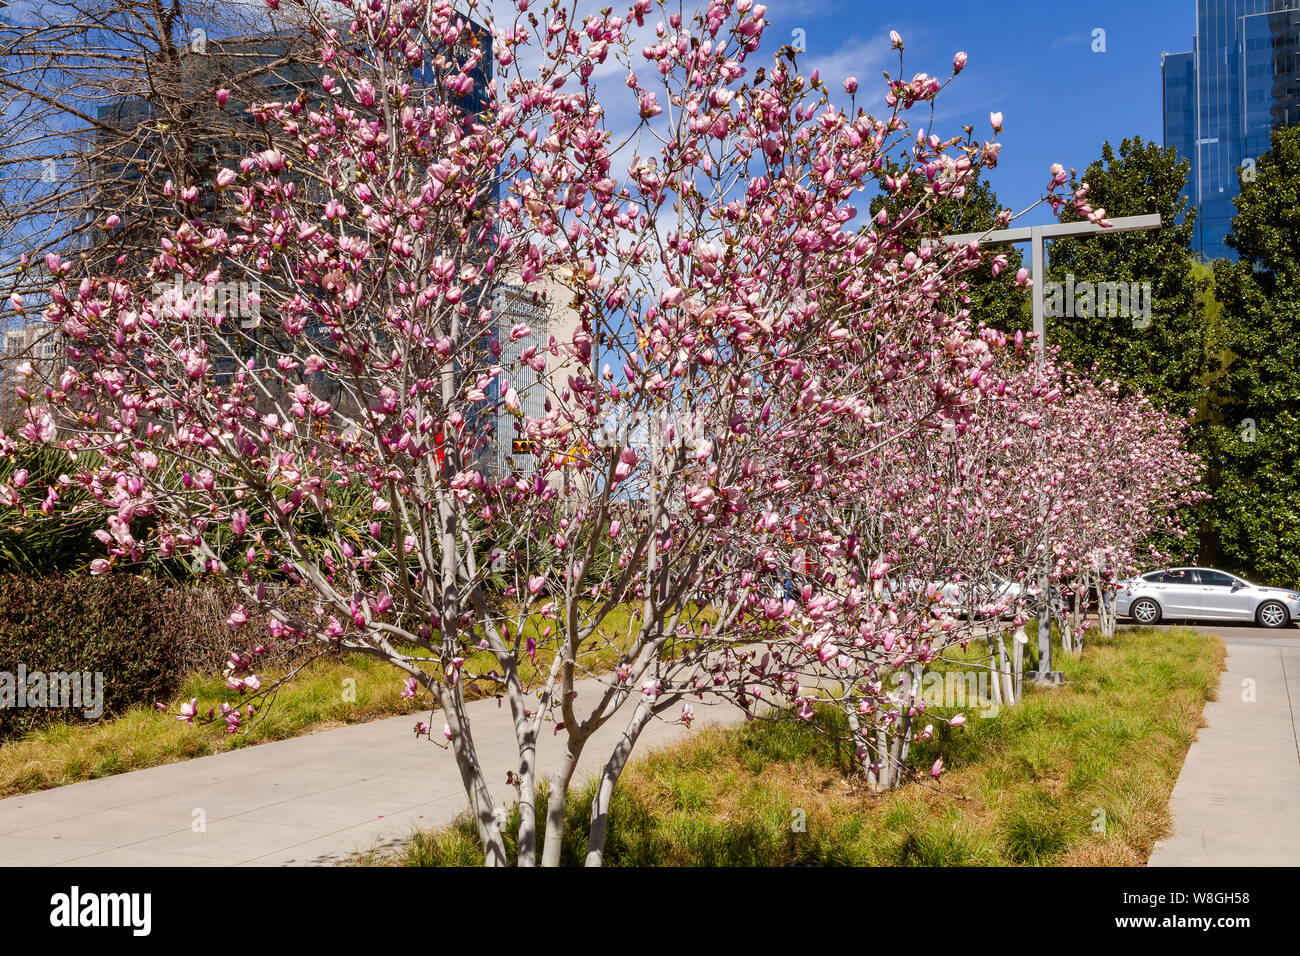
{"points": [[471, 775], [1044, 624], [557, 803], [1017, 670], [995, 668], [526, 738], [609, 778], [879, 779], [1106, 618], [1005, 672]]}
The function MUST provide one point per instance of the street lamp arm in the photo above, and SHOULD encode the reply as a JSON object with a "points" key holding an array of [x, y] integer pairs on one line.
{"points": [[1055, 230]]}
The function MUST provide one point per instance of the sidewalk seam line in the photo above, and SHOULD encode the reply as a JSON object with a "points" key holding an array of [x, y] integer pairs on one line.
{"points": [[1286, 686]]}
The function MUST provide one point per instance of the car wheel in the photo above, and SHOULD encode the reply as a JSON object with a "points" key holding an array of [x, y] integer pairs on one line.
{"points": [[1273, 614], [1145, 611]]}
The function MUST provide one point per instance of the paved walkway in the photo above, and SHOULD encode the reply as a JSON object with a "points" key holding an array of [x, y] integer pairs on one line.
{"points": [[315, 800], [1237, 800], [312, 800]]}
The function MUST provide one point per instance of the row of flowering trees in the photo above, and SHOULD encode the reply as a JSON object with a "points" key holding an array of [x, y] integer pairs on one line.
{"points": [[1044, 469], [816, 406]]}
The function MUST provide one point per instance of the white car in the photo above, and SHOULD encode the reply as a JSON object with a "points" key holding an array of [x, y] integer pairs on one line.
{"points": [[1203, 594], [992, 596]]}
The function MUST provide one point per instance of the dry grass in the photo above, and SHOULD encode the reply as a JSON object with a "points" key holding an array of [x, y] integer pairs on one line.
{"points": [[66, 752]]}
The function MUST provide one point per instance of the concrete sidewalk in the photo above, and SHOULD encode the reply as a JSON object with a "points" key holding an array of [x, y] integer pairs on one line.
{"points": [[1237, 799], [313, 800]]}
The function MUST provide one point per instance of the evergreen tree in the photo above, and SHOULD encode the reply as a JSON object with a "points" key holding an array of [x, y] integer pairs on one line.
{"points": [[1160, 345], [994, 299], [1255, 421]]}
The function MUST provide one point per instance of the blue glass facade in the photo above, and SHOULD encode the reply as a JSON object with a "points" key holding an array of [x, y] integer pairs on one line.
{"points": [[1178, 74], [1221, 100]]}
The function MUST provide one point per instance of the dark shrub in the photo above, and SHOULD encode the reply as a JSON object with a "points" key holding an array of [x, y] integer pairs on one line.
{"points": [[199, 611], [124, 626]]}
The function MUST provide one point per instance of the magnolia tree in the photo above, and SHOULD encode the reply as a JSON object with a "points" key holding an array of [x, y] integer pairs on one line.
{"points": [[981, 479], [333, 446], [915, 521], [777, 357], [939, 535], [1124, 475]]}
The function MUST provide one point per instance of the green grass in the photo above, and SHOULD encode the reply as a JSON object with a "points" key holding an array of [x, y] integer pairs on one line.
{"points": [[69, 752], [1077, 775], [66, 752]]}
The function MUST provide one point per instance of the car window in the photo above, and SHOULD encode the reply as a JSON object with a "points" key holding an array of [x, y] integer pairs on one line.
{"points": [[1154, 577], [1217, 579], [1177, 576]]}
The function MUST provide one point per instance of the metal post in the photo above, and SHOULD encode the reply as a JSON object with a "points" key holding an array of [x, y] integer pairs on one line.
{"points": [[1037, 255]]}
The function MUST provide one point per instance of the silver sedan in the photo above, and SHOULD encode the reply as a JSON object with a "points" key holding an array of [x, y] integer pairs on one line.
{"points": [[992, 595], [1203, 594]]}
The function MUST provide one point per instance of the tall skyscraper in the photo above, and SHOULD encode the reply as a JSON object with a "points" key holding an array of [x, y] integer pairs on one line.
{"points": [[1222, 99]]}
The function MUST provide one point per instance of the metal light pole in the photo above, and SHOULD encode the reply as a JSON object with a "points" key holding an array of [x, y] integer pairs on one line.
{"points": [[1036, 236]]}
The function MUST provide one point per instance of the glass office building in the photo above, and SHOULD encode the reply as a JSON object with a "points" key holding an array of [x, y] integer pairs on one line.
{"points": [[1222, 99]]}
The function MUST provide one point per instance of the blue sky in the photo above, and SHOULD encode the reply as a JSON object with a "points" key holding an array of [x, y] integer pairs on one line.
{"points": [[1032, 61]]}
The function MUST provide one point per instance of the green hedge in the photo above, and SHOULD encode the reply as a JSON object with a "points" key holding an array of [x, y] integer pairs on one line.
{"points": [[123, 626]]}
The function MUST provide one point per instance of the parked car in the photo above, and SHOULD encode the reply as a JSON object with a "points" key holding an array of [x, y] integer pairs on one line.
{"points": [[991, 595], [1204, 594], [985, 596]]}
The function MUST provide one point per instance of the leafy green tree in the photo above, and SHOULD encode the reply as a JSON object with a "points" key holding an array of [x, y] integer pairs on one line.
{"points": [[60, 545], [1160, 346], [1254, 516], [994, 299], [1255, 414]]}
